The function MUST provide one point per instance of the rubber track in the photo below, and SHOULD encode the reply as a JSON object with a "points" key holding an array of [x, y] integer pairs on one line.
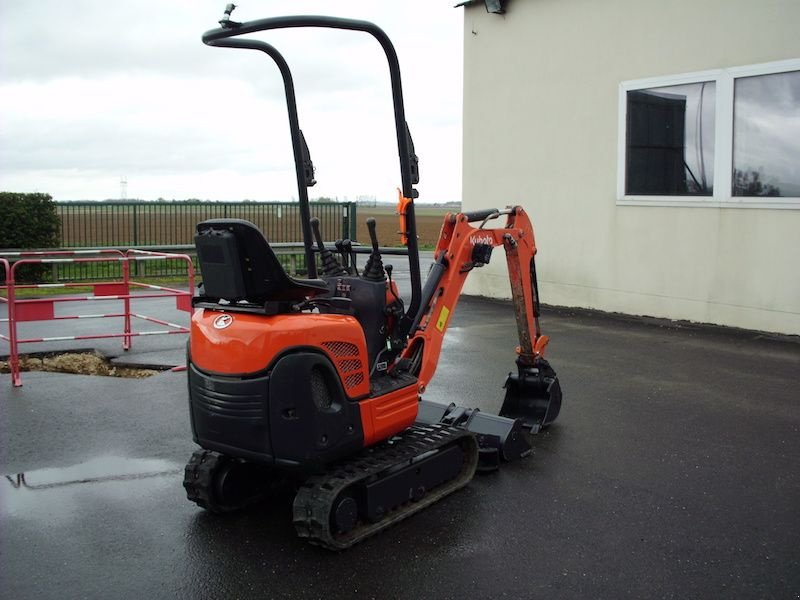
{"points": [[198, 476], [314, 501], [200, 482]]}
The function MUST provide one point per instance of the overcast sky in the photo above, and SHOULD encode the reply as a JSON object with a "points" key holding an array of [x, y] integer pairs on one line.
{"points": [[92, 91]]}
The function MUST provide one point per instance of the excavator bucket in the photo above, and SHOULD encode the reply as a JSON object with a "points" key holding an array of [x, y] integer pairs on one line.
{"points": [[533, 395]]}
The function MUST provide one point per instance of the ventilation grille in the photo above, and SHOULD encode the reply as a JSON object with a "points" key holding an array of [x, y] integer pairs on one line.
{"points": [[353, 380], [347, 361], [339, 349], [319, 389], [349, 365]]}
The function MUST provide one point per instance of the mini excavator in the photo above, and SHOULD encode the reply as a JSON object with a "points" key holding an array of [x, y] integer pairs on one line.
{"points": [[318, 380]]}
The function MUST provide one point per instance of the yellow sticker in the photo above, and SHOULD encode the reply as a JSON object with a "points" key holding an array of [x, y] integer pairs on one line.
{"points": [[442, 318]]}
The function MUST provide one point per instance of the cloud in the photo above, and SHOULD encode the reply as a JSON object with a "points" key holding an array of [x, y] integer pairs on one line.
{"points": [[151, 123], [94, 91]]}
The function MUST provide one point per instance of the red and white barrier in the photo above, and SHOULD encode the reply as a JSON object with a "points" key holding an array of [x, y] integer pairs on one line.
{"points": [[43, 309]]}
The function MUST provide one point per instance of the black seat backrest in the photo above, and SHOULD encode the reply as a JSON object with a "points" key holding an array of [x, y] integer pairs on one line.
{"points": [[238, 264]]}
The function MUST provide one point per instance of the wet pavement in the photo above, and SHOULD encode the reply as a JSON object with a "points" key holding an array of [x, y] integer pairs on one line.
{"points": [[672, 472]]}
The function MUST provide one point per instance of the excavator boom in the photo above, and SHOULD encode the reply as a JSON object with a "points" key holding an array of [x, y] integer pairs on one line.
{"points": [[461, 248], [533, 394]]}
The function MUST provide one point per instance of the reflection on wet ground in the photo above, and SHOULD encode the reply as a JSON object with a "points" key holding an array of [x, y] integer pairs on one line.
{"points": [[20, 492]]}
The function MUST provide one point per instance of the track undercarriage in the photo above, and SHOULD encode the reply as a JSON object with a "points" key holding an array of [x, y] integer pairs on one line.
{"points": [[352, 499]]}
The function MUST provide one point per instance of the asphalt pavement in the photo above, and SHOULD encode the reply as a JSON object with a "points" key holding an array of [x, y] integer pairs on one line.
{"points": [[672, 472]]}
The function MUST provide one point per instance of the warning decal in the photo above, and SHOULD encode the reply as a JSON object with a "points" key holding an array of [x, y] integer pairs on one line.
{"points": [[442, 321]]}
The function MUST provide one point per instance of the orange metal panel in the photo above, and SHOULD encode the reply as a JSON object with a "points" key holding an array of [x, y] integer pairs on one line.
{"points": [[240, 343], [389, 414]]}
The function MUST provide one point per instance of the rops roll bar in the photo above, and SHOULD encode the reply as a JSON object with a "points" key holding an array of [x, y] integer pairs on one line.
{"points": [[409, 174]]}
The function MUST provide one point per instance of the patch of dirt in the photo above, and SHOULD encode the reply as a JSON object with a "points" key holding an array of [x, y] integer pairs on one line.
{"points": [[80, 363]]}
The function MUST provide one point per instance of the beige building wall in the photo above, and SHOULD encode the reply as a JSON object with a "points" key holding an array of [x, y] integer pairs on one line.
{"points": [[541, 89]]}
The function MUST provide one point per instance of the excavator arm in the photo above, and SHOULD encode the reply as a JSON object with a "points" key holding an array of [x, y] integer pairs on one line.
{"points": [[461, 248], [532, 394]]}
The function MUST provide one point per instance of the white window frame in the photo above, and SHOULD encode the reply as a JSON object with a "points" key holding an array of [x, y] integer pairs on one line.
{"points": [[723, 139]]}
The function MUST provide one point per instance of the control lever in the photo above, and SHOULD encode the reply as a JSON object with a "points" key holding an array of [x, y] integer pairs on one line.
{"points": [[345, 249], [389, 269], [347, 244], [374, 270], [345, 259], [330, 266]]}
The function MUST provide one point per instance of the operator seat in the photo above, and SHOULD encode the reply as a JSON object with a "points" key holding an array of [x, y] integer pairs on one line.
{"points": [[238, 265]]}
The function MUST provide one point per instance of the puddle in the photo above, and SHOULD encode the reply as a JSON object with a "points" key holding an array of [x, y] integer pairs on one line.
{"points": [[97, 470], [36, 493], [79, 363]]}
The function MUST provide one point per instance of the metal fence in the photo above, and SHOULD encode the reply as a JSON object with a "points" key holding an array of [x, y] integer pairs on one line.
{"points": [[134, 224], [171, 226]]}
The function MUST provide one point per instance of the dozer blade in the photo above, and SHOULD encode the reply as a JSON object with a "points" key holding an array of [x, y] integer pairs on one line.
{"points": [[533, 395], [499, 439]]}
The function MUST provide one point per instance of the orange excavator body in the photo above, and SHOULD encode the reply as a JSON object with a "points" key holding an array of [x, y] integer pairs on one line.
{"points": [[320, 379]]}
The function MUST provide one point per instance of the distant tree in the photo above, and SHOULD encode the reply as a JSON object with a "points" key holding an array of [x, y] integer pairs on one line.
{"points": [[29, 221], [322, 199], [750, 184]]}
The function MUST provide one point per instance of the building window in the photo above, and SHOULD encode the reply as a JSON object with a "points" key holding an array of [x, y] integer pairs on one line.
{"points": [[670, 140], [766, 135], [719, 138]]}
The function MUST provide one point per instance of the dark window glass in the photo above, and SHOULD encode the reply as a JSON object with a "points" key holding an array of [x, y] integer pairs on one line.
{"points": [[670, 140], [766, 135]]}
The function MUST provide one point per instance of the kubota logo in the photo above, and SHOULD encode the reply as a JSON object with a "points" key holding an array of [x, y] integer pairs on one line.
{"points": [[223, 321], [481, 239]]}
